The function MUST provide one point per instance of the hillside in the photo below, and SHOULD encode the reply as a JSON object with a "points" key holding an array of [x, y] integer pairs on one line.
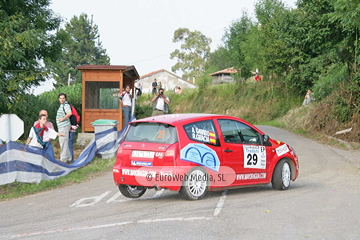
{"points": [[269, 103]]}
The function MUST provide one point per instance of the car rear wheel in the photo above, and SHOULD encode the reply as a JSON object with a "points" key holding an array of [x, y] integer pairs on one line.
{"points": [[132, 191], [195, 184], [282, 175]]}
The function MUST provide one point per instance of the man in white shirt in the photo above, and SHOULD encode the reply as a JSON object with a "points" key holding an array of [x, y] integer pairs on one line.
{"points": [[125, 100], [161, 102], [138, 89]]}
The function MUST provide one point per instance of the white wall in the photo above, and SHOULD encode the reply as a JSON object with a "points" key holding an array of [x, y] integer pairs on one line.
{"points": [[168, 81]]}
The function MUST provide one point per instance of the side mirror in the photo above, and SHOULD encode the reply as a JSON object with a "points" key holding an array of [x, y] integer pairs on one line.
{"points": [[266, 139]]}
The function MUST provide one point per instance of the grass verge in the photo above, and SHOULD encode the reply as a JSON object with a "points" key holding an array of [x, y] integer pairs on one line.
{"points": [[96, 167]]}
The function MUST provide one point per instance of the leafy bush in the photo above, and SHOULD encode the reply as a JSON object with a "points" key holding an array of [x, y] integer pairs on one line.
{"points": [[49, 100], [330, 82]]}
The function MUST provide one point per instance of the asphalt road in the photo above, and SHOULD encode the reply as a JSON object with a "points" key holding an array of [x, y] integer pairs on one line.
{"points": [[323, 203]]}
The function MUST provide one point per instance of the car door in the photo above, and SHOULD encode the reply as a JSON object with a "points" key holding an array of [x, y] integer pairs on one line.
{"points": [[243, 151]]}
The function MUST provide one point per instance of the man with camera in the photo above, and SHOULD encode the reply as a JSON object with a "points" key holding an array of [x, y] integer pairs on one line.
{"points": [[161, 102]]}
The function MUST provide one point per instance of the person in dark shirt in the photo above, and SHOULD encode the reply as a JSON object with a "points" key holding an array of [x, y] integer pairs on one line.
{"points": [[154, 85]]}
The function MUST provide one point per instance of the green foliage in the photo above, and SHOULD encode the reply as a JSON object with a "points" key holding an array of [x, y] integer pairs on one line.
{"points": [[329, 83], [27, 37], [342, 110], [142, 111], [194, 52], [234, 52], [82, 46], [50, 102], [27, 106]]}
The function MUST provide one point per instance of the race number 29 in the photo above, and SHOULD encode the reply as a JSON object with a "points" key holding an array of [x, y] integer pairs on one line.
{"points": [[254, 157]]}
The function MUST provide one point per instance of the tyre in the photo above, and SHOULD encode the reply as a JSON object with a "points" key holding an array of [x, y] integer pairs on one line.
{"points": [[282, 175], [195, 184], [132, 191]]}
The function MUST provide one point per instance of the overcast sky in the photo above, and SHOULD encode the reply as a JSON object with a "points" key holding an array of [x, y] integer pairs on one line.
{"points": [[140, 32]]}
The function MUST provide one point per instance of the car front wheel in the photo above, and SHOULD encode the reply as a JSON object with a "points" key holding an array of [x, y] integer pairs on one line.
{"points": [[195, 185], [282, 175], [132, 191]]}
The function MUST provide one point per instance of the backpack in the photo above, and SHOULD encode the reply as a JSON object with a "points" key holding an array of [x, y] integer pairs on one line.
{"points": [[74, 118]]}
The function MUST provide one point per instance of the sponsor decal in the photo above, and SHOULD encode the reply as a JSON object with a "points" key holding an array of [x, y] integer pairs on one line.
{"points": [[200, 154], [250, 176], [200, 134], [282, 150], [254, 156], [137, 172], [161, 134], [159, 155], [212, 137], [140, 163]]}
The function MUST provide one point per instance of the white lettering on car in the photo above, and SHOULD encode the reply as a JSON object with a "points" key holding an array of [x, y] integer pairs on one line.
{"points": [[250, 176]]}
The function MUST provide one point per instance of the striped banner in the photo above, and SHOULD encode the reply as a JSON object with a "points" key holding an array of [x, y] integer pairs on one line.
{"points": [[24, 163]]}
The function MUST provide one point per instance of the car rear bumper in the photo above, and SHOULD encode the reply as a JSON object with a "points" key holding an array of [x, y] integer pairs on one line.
{"points": [[159, 177]]}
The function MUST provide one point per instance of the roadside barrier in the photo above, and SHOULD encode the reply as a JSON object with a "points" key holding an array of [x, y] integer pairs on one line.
{"points": [[23, 163]]}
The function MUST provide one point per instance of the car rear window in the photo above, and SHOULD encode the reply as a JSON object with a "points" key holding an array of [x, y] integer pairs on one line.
{"points": [[152, 132]]}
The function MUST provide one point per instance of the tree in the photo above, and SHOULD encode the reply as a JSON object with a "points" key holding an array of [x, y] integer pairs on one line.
{"points": [[82, 46], [27, 39], [193, 53], [234, 38]]}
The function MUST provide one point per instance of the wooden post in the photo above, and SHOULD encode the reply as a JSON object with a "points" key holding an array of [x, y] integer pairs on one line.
{"points": [[83, 79], [121, 79]]}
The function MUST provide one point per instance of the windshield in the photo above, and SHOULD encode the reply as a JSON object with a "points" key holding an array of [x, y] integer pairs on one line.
{"points": [[152, 132]]}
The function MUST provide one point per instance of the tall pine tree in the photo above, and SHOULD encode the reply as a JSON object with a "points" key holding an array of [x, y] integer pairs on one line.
{"points": [[82, 46]]}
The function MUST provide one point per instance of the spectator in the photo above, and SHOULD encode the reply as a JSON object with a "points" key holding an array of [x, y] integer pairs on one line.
{"points": [[308, 97], [154, 85], [125, 100], [176, 90], [257, 77], [63, 124], [160, 85], [40, 134], [161, 102], [48, 146], [138, 90], [72, 135], [179, 90]]}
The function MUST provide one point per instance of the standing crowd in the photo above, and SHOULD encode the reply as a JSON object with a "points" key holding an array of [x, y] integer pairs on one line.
{"points": [[43, 132]]}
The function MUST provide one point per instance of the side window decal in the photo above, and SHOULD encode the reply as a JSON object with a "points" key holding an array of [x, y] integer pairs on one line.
{"points": [[202, 131]]}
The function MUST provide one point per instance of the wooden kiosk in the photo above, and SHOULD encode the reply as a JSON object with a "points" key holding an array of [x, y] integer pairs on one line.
{"points": [[101, 88]]}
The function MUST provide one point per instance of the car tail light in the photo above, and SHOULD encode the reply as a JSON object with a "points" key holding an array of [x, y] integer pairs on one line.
{"points": [[171, 153], [119, 155]]}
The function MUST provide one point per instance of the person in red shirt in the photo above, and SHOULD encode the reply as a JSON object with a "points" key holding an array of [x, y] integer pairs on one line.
{"points": [[257, 77]]}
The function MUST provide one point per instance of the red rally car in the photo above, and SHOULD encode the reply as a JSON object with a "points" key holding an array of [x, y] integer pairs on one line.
{"points": [[196, 153]]}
